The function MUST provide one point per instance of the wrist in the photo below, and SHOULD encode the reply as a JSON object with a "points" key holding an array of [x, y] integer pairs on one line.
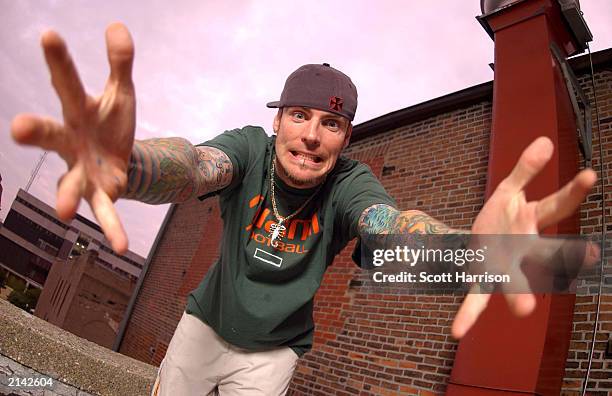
{"points": [[133, 169]]}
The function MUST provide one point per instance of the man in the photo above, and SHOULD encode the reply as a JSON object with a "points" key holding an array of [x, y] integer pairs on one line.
{"points": [[289, 205]]}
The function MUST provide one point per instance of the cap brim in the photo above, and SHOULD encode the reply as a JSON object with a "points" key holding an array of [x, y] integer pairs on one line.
{"points": [[274, 104]]}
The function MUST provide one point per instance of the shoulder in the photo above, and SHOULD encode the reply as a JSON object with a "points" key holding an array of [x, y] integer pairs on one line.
{"points": [[353, 189], [241, 143], [246, 148], [256, 132], [354, 183], [247, 133]]}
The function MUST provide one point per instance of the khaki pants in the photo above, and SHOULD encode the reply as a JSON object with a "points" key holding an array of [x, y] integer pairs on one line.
{"points": [[199, 362]]}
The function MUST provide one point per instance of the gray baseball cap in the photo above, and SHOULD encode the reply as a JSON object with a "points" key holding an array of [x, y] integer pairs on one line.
{"points": [[321, 87]]}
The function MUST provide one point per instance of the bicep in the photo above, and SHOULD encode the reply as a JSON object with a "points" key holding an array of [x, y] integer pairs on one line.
{"points": [[214, 170]]}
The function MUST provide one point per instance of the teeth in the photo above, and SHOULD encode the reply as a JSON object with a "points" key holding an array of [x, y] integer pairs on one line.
{"points": [[309, 157]]}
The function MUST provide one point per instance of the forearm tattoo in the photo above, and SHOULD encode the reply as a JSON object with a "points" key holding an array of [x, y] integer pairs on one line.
{"points": [[388, 222], [173, 170], [385, 219]]}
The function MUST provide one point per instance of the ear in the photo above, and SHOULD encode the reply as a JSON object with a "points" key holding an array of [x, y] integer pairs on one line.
{"points": [[347, 135], [277, 120]]}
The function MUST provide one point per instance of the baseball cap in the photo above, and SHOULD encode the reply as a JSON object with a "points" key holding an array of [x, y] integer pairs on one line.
{"points": [[321, 87]]}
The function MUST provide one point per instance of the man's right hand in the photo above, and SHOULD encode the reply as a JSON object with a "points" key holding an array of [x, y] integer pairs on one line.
{"points": [[96, 136]]}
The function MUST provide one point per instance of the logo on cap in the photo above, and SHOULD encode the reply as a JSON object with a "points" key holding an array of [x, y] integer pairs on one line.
{"points": [[335, 103]]}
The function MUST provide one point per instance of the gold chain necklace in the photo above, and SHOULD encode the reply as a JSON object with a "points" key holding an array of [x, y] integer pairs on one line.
{"points": [[277, 230]]}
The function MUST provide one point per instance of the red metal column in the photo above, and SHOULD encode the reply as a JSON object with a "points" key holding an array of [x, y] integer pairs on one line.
{"points": [[502, 353]]}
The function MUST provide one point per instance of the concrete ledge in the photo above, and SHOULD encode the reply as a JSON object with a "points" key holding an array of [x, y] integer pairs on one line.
{"points": [[76, 362]]}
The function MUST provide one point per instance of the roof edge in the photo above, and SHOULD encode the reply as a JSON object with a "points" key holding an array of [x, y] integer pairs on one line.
{"points": [[463, 98]]}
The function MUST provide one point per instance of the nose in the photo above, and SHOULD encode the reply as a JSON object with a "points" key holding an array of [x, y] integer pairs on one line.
{"points": [[311, 134]]}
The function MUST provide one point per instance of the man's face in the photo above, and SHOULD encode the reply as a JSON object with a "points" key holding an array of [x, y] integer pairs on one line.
{"points": [[308, 143]]}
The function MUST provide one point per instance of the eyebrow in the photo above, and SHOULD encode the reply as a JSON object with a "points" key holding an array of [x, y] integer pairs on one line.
{"points": [[300, 108], [309, 111]]}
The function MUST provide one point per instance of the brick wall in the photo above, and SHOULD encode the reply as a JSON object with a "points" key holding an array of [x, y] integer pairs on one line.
{"points": [[380, 344], [185, 252], [600, 382]]}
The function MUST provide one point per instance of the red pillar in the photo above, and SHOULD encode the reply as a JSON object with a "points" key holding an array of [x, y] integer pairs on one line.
{"points": [[503, 353]]}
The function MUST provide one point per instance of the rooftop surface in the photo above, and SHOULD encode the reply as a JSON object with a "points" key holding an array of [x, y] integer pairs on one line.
{"points": [[76, 362]]}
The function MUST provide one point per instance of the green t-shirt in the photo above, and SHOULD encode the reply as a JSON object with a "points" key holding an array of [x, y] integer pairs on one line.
{"points": [[256, 296]]}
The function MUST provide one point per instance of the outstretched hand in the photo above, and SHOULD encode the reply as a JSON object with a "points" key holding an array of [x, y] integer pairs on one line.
{"points": [[508, 212], [96, 136]]}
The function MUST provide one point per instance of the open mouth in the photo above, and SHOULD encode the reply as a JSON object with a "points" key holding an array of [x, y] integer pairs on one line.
{"points": [[309, 157]]}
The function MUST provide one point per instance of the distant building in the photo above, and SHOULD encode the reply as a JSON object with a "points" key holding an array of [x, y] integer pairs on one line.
{"points": [[32, 238], [84, 298]]}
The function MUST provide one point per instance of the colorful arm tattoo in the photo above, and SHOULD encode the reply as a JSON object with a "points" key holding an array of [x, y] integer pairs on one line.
{"points": [[173, 170], [385, 219]]}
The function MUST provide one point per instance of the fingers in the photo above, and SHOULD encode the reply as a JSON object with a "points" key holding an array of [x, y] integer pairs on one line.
{"points": [[36, 131], [564, 202], [531, 162], [69, 192], [64, 77], [120, 49], [470, 310], [105, 212]]}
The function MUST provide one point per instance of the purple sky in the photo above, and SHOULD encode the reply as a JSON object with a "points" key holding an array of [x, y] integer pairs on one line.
{"points": [[206, 66]]}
